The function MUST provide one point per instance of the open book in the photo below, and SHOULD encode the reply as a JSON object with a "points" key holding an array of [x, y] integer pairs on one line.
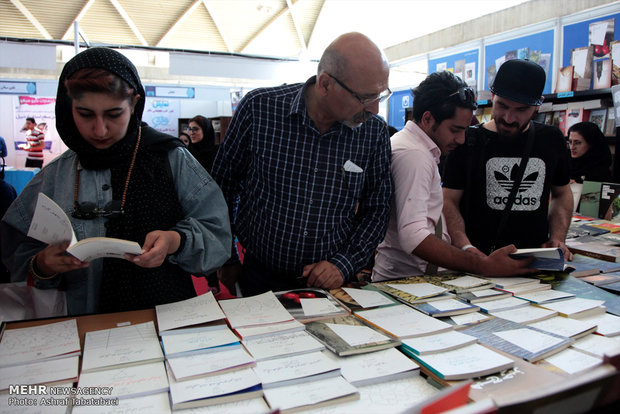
{"points": [[546, 258], [51, 225]]}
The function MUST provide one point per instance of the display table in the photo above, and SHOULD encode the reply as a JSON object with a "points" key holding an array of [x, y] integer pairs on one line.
{"points": [[597, 388], [19, 177]]}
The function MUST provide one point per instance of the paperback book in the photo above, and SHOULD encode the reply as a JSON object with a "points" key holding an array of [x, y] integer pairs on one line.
{"points": [[441, 342], [401, 321], [445, 307], [467, 362], [310, 304], [348, 335], [519, 340]]}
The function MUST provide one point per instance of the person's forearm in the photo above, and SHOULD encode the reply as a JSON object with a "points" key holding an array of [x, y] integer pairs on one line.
{"points": [[442, 254], [560, 214], [455, 225]]}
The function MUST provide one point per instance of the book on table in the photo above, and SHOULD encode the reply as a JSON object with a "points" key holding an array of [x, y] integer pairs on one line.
{"points": [[401, 321], [199, 341], [51, 225], [560, 325], [607, 324], [447, 307], [276, 346], [517, 339], [602, 279], [545, 296], [311, 394], [358, 299], [465, 362], [576, 307], [296, 369], [525, 314], [122, 346], [441, 342], [128, 381], [254, 332], [464, 320], [502, 304], [597, 345], [586, 266], [310, 304], [526, 288], [375, 367], [48, 372], [38, 343], [594, 249], [572, 361], [413, 292], [484, 295], [258, 310], [348, 335], [201, 365], [200, 312], [215, 389]]}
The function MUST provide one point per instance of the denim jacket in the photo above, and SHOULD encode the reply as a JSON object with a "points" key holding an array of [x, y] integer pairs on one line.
{"points": [[206, 225]]}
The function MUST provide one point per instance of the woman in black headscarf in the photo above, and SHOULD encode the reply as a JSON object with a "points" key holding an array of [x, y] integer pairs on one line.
{"points": [[120, 178], [203, 141], [590, 154]]}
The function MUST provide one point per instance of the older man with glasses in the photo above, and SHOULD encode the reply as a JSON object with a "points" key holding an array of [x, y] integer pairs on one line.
{"points": [[305, 169], [417, 241]]}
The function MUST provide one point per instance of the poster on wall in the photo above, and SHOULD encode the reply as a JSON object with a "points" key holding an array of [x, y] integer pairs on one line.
{"points": [[600, 36], [40, 108], [162, 114], [536, 47], [463, 65]]}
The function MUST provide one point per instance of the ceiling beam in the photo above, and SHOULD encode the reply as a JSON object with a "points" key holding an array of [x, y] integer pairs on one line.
{"points": [[129, 21], [300, 35], [283, 12], [24, 10], [189, 11], [78, 18], [217, 26]]}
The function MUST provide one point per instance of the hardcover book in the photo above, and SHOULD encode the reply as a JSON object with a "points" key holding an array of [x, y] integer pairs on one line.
{"points": [[516, 339], [348, 335]]}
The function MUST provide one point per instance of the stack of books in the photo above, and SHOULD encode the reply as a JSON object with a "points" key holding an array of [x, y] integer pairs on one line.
{"points": [[127, 360], [45, 355]]}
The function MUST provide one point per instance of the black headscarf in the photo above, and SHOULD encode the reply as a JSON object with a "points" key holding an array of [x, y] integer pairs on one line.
{"points": [[151, 202], [204, 150], [594, 164]]}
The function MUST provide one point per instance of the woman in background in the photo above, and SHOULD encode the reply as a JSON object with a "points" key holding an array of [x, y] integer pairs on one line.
{"points": [[590, 154], [119, 178], [203, 146], [184, 137]]}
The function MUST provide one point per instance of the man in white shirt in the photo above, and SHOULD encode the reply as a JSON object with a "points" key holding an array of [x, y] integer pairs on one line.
{"points": [[417, 241]]}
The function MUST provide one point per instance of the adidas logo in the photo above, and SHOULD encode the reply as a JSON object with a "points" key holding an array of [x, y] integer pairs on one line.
{"points": [[501, 173]]}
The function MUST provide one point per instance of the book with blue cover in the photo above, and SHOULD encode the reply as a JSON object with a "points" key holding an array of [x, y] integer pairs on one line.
{"points": [[523, 341]]}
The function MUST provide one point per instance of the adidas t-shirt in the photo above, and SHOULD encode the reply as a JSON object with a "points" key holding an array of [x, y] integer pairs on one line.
{"points": [[488, 178]]}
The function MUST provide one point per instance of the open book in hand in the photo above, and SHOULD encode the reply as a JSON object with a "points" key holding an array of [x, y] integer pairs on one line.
{"points": [[51, 225], [545, 258]]}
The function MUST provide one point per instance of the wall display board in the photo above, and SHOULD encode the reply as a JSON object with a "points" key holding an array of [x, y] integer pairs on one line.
{"points": [[536, 47], [162, 114], [464, 65], [600, 37], [399, 102], [42, 109]]}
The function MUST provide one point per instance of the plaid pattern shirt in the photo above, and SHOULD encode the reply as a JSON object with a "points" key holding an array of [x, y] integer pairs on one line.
{"points": [[292, 201]]}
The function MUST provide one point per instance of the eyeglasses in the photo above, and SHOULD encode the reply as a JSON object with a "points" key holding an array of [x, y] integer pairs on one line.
{"points": [[193, 129], [88, 210], [364, 101], [465, 94]]}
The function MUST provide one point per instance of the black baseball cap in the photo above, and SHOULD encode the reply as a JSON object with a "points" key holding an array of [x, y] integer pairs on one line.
{"points": [[520, 81]]}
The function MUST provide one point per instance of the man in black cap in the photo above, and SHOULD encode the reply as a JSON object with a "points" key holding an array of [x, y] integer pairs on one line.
{"points": [[509, 183]]}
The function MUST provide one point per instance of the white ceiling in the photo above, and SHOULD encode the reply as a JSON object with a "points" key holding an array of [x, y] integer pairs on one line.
{"points": [[277, 28]]}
